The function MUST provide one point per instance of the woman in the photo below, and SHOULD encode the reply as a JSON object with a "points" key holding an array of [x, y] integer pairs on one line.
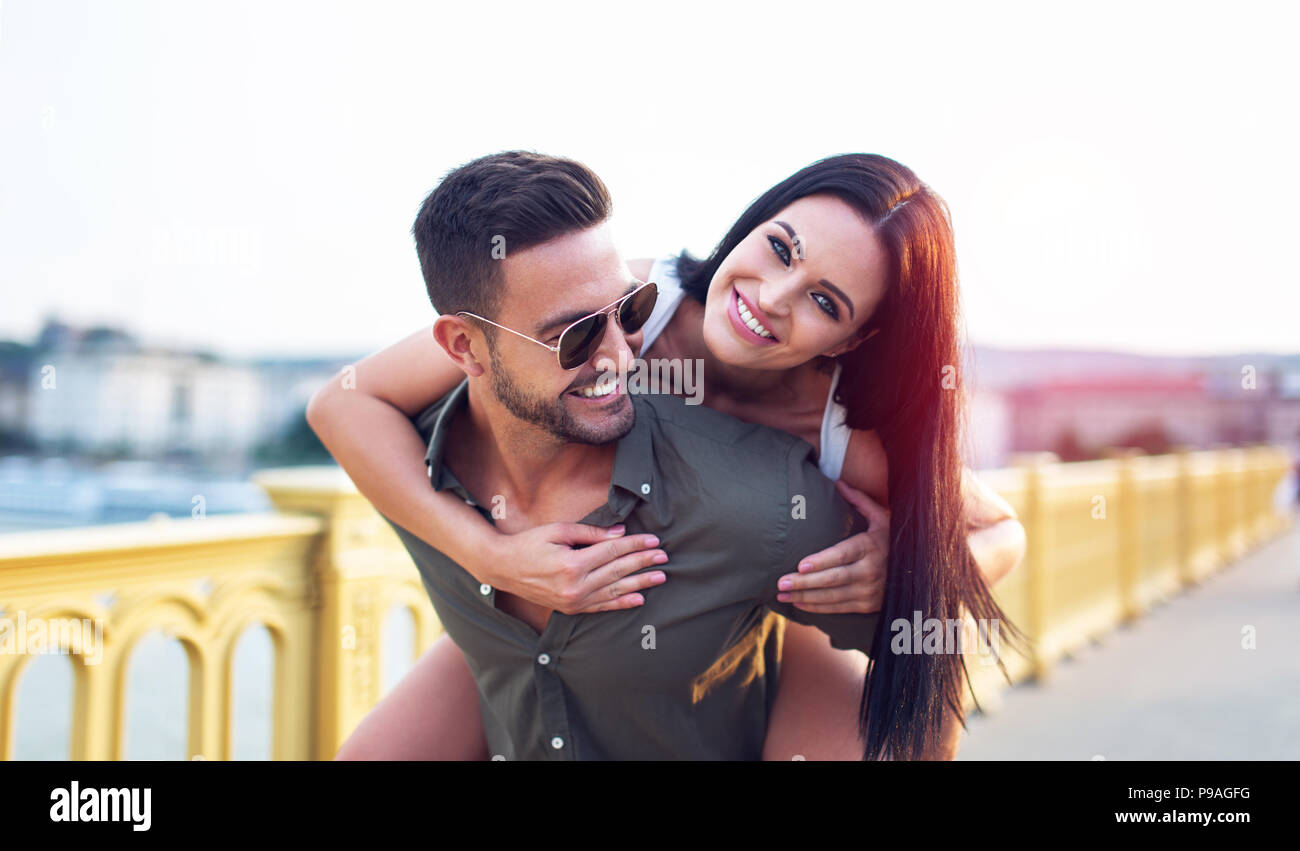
{"points": [[829, 310]]}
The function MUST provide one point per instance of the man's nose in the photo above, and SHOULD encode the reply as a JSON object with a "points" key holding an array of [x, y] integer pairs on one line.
{"points": [[615, 353]]}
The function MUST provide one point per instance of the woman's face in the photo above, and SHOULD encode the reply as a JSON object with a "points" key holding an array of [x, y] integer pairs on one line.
{"points": [[800, 285]]}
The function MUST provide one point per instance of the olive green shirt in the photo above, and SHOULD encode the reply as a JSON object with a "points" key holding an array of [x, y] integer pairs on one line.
{"points": [[692, 673]]}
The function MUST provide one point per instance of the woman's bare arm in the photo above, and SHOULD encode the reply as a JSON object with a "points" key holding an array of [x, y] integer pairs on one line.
{"points": [[363, 416], [996, 538], [849, 576]]}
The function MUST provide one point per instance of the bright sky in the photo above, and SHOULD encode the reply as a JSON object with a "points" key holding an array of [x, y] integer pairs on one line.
{"points": [[243, 175]]}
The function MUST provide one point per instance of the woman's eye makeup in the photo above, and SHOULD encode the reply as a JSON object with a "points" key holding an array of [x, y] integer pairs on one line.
{"points": [[826, 304], [780, 249]]}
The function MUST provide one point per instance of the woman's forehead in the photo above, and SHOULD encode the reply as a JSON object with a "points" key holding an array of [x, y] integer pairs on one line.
{"points": [[838, 242]]}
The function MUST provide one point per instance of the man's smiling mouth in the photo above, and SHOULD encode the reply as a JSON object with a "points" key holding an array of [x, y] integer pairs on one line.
{"points": [[598, 390]]}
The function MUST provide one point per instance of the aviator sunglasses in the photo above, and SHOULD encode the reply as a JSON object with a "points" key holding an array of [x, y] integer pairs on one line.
{"points": [[579, 340]]}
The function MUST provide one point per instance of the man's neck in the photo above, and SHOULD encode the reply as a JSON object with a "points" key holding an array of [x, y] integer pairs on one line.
{"points": [[538, 474]]}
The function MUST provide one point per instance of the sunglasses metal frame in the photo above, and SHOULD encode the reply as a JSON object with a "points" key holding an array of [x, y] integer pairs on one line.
{"points": [[612, 307]]}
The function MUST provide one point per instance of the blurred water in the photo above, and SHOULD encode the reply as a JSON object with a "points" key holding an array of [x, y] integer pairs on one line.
{"points": [[52, 493]]}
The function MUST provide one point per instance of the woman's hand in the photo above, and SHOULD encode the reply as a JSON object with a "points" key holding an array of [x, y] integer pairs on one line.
{"points": [[850, 576], [994, 533], [542, 566]]}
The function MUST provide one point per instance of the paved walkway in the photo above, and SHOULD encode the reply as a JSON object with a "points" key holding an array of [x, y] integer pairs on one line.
{"points": [[1174, 685]]}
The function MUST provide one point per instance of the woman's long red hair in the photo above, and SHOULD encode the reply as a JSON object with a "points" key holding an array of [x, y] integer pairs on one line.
{"points": [[905, 383]]}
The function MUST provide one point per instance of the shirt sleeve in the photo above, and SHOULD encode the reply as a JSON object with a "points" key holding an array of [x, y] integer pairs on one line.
{"points": [[815, 517]]}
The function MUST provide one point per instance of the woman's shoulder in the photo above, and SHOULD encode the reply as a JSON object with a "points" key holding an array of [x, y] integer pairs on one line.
{"points": [[640, 268], [661, 270], [865, 465], [663, 273]]}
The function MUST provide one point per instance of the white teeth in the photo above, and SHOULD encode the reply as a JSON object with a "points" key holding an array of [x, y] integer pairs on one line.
{"points": [[599, 390], [750, 320]]}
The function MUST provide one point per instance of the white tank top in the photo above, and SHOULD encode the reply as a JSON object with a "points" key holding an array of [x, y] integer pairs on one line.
{"points": [[834, 433]]}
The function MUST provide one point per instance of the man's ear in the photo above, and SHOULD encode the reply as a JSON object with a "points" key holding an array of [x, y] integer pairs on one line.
{"points": [[852, 343], [454, 335]]}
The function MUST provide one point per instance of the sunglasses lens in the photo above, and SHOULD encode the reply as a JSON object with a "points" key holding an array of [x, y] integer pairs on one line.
{"points": [[578, 341], [636, 311]]}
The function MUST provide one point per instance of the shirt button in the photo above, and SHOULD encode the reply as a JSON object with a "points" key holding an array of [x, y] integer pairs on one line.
{"points": [[557, 743], [544, 659], [485, 589], [645, 488]]}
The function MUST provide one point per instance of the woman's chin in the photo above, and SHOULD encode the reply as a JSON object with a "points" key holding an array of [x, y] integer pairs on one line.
{"points": [[723, 345]]}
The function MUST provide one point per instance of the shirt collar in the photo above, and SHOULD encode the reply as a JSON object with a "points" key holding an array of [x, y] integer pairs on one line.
{"points": [[634, 470]]}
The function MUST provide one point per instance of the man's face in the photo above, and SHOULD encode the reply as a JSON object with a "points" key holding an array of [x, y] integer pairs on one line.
{"points": [[547, 288]]}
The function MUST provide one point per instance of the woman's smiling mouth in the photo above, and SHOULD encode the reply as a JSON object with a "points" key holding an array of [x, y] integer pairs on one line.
{"points": [[745, 320]]}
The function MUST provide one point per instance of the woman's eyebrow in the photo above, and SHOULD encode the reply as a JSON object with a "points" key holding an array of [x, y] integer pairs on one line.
{"points": [[794, 237], [839, 292]]}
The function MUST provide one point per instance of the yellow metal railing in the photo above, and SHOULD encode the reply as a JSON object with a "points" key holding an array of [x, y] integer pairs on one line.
{"points": [[1105, 540], [321, 576]]}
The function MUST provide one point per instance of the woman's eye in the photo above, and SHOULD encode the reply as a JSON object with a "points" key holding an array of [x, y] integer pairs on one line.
{"points": [[826, 304], [780, 249]]}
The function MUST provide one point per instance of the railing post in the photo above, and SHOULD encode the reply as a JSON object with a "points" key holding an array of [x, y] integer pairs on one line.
{"points": [[1238, 542], [1183, 495], [1037, 546], [359, 573], [1130, 531]]}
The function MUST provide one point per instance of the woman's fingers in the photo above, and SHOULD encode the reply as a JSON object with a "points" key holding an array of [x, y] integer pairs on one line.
{"points": [[627, 601], [835, 608], [864, 592], [581, 534], [859, 584], [830, 577], [845, 552], [877, 515], [613, 585], [611, 549], [846, 577]]}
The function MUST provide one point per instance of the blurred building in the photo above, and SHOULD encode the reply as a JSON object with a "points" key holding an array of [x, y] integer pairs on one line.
{"points": [[100, 391], [142, 402], [988, 441], [1076, 417], [287, 386], [15, 361]]}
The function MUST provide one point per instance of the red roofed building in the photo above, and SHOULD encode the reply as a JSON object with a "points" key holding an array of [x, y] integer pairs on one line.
{"points": [[1079, 416]]}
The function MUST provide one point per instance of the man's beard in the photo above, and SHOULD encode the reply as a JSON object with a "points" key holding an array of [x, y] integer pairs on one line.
{"points": [[552, 415]]}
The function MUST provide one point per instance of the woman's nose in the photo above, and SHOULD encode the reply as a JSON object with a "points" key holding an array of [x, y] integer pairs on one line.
{"points": [[774, 297]]}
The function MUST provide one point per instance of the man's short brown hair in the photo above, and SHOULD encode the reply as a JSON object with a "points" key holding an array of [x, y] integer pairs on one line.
{"points": [[503, 202]]}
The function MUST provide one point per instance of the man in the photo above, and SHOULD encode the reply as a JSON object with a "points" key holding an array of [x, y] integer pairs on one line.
{"points": [[515, 248]]}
